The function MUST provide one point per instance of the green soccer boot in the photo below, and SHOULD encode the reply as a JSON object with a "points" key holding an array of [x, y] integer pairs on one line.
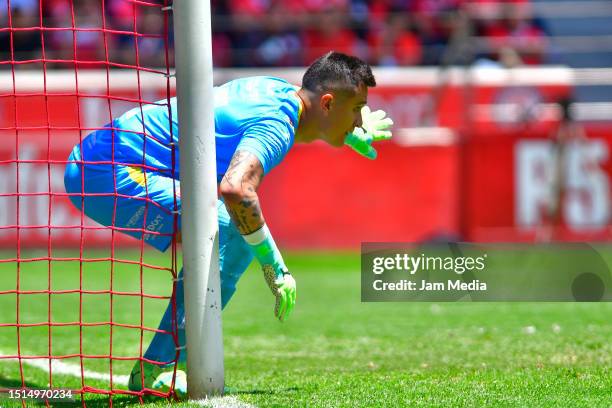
{"points": [[158, 378]]}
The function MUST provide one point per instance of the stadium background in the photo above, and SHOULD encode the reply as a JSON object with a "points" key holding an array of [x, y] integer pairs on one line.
{"points": [[484, 94], [445, 117]]}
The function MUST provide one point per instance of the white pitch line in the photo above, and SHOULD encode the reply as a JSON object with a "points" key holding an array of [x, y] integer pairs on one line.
{"points": [[229, 401], [74, 370]]}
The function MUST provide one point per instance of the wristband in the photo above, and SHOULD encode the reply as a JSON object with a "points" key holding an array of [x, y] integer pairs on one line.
{"points": [[264, 248]]}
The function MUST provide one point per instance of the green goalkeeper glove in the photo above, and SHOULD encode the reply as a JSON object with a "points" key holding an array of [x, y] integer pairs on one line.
{"points": [[276, 274], [375, 127], [282, 285]]}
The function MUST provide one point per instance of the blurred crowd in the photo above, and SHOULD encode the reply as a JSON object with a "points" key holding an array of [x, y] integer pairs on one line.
{"points": [[265, 33]]}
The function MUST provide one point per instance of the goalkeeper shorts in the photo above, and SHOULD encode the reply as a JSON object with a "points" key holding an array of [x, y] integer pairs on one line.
{"points": [[141, 203], [124, 197]]}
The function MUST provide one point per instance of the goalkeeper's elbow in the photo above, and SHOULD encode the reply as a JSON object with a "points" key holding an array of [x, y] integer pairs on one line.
{"points": [[230, 192]]}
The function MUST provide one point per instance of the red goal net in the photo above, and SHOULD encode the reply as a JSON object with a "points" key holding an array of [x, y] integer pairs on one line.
{"points": [[79, 301]]}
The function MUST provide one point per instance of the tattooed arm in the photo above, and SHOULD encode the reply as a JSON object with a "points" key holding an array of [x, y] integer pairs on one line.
{"points": [[239, 190]]}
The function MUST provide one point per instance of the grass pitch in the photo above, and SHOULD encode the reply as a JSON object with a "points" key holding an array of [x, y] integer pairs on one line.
{"points": [[334, 350]]}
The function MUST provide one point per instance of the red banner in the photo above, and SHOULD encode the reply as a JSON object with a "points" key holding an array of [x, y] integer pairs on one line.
{"points": [[525, 188], [324, 197]]}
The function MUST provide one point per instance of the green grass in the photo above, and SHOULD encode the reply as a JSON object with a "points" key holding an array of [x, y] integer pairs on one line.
{"points": [[335, 350]]}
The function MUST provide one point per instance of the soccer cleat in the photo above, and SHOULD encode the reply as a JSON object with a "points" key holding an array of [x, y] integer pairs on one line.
{"points": [[158, 378], [163, 382]]}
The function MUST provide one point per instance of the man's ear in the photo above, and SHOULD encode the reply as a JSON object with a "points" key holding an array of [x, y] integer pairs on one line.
{"points": [[326, 101]]}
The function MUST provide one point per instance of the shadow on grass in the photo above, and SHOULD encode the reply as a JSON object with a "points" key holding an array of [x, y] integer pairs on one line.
{"points": [[11, 383], [233, 391]]}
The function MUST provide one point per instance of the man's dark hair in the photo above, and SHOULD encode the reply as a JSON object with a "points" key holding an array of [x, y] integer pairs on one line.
{"points": [[337, 71]]}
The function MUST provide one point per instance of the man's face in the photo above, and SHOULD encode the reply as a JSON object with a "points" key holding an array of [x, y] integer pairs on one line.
{"points": [[341, 113]]}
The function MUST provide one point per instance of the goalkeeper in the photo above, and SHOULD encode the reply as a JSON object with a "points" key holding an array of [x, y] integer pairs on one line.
{"points": [[123, 176]]}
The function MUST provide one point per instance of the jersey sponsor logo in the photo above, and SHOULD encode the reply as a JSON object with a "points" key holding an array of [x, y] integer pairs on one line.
{"points": [[137, 216], [155, 226]]}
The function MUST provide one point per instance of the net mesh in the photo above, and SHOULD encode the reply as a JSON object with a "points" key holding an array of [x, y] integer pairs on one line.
{"points": [[80, 301]]}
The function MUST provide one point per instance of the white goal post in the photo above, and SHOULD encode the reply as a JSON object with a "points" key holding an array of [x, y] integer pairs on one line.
{"points": [[194, 85]]}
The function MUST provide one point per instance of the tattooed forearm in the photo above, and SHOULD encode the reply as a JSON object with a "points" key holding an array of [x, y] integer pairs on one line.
{"points": [[238, 188], [246, 215], [240, 220]]}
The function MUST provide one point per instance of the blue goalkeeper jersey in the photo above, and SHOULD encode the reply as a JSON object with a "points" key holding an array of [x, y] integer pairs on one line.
{"points": [[257, 114]]}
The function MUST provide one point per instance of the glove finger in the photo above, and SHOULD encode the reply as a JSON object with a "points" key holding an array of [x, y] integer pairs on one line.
{"points": [[383, 124], [365, 111], [288, 311], [293, 298], [283, 305], [277, 306], [290, 303], [376, 115], [382, 135]]}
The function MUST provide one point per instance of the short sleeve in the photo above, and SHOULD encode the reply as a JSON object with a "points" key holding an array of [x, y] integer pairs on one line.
{"points": [[269, 140]]}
